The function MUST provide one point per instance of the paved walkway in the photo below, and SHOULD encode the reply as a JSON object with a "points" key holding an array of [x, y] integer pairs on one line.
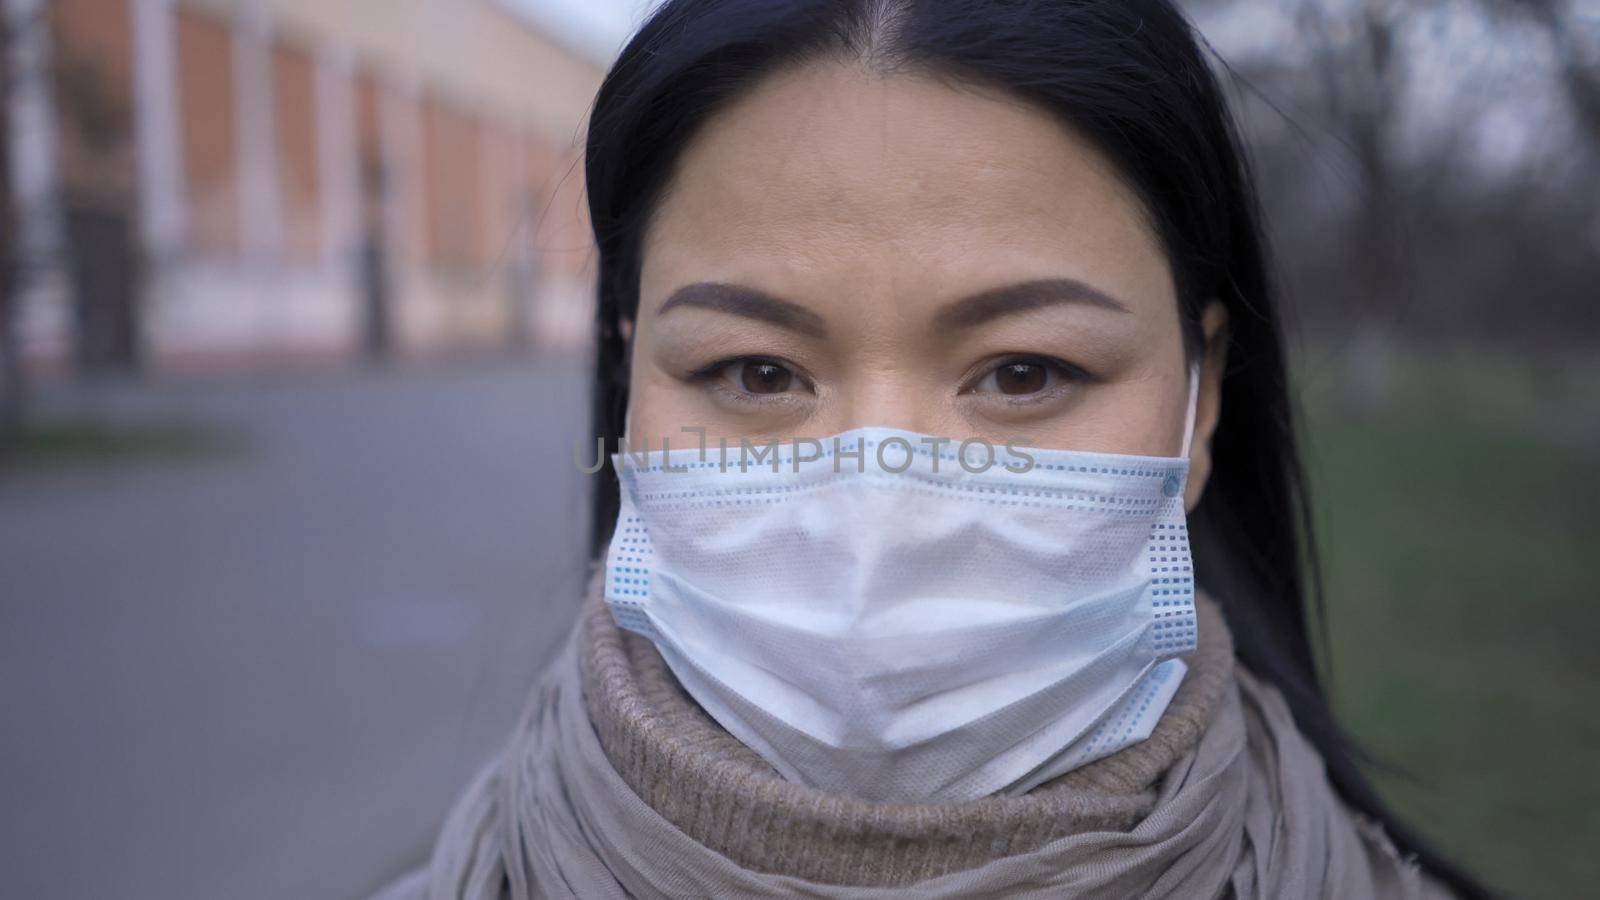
{"points": [[266, 674]]}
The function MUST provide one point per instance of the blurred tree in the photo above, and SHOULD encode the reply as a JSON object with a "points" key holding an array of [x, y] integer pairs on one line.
{"points": [[1428, 171], [13, 392], [1362, 101], [1577, 49]]}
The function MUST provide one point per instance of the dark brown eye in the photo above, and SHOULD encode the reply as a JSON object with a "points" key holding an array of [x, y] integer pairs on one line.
{"points": [[1021, 378], [764, 378]]}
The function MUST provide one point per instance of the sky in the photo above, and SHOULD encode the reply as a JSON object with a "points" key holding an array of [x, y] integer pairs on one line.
{"points": [[597, 27]]}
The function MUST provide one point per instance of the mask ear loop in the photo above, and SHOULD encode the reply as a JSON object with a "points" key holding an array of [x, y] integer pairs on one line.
{"points": [[1194, 406]]}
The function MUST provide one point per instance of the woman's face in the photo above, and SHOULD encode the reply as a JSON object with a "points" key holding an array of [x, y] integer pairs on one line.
{"points": [[841, 249]]}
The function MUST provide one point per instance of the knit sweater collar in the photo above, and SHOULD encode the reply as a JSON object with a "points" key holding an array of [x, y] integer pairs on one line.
{"points": [[722, 794]]}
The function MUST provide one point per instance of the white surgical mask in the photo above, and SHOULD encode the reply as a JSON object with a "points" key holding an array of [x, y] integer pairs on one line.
{"points": [[879, 619]]}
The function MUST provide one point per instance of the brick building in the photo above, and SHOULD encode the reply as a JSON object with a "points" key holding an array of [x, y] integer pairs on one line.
{"points": [[225, 182]]}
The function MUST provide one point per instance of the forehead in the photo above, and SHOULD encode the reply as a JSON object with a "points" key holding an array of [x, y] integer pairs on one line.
{"points": [[829, 175]]}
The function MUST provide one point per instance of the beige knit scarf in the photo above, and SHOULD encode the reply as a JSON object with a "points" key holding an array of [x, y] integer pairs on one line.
{"points": [[617, 785]]}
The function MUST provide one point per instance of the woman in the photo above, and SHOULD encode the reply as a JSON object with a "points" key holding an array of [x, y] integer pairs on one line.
{"points": [[843, 242]]}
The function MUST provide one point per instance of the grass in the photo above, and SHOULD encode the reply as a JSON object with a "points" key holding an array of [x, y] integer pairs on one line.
{"points": [[1458, 528], [75, 442]]}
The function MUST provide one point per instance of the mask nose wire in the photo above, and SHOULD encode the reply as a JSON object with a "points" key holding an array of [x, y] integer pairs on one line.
{"points": [[1194, 405]]}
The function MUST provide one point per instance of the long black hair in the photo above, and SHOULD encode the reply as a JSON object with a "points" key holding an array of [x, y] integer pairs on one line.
{"points": [[1131, 77]]}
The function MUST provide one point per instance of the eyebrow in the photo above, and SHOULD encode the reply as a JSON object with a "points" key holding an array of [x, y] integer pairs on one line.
{"points": [[748, 302], [967, 312], [1021, 297]]}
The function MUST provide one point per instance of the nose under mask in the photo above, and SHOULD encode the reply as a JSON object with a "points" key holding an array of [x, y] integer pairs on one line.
{"points": [[898, 618]]}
